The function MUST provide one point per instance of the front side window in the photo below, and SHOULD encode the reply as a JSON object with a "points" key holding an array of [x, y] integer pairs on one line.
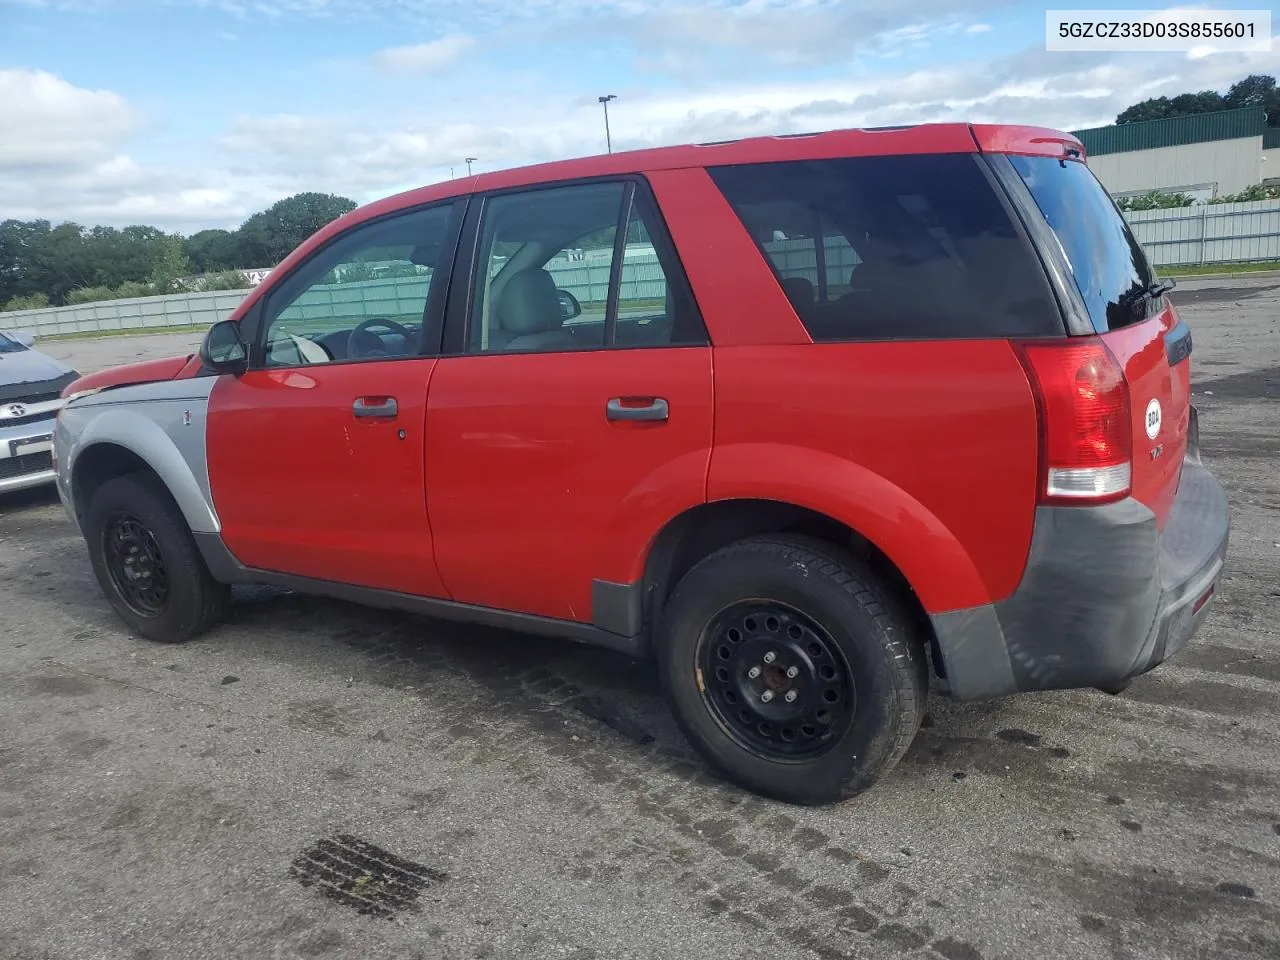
{"points": [[888, 248], [8, 345], [575, 268], [364, 297]]}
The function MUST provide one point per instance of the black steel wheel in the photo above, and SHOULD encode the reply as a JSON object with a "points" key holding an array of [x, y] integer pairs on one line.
{"points": [[135, 564], [775, 680], [147, 562], [792, 668]]}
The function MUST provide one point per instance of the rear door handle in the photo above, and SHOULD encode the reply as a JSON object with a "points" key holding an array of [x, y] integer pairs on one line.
{"points": [[655, 409], [374, 407]]}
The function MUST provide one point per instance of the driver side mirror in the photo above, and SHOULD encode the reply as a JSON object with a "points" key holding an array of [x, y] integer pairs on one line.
{"points": [[569, 305], [24, 337], [223, 350]]}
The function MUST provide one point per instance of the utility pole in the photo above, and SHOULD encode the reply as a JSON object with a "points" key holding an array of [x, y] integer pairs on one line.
{"points": [[469, 160], [604, 102]]}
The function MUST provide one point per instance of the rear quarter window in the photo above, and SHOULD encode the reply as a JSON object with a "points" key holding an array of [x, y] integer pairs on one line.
{"points": [[892, 248], [1106, 260]]}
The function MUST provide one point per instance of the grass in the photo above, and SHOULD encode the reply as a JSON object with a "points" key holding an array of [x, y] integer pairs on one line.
{"points": [[1219, 268]]}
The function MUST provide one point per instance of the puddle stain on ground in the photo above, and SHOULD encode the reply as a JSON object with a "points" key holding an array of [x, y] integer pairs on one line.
{"points": [[63, 686], [357, 874]]}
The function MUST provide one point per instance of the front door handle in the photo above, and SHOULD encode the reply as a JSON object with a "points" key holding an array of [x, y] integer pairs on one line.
{"points": [[374, 407], [655, 409]]}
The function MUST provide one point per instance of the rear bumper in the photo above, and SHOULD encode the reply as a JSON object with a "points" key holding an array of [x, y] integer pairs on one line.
{"points": [[1105, 596]]}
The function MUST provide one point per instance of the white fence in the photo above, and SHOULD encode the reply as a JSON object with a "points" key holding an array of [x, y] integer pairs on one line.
{"points": [[176, 310], [586, 279], [1211, 234]]}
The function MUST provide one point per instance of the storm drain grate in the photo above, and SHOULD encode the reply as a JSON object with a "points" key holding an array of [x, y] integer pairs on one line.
{"points": [[366, 878]]}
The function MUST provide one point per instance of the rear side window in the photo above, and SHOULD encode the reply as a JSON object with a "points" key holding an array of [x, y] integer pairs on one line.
{"points": [[1106, 260], [889, 248]]}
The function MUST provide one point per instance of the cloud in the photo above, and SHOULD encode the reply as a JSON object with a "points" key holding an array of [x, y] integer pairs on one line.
{"points": [[435, 56], [796, 32], [63, 157], [81, 159], [363, 156], [48, 122], [974, 28]]}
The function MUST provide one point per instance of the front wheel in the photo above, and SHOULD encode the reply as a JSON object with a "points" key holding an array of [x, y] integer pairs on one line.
{"points": [[791, 669], [147, 563]]}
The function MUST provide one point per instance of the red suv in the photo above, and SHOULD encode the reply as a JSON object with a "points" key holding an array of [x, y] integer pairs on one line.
{"points": [[817, 421]]}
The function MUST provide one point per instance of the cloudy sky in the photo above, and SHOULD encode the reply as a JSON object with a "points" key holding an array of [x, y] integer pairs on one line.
{"points": [[194, 113]]}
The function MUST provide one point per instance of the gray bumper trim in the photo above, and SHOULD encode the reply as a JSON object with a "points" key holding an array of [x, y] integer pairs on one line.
{"points": [[1104, 597]]}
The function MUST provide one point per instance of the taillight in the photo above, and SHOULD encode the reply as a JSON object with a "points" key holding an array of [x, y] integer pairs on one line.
{"points": [[1085, 425]]}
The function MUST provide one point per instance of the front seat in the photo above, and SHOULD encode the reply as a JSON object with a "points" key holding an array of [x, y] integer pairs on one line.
{"points": [[530, 316]]}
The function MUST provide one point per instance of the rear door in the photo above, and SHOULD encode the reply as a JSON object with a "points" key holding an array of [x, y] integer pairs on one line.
{"points": [[315, 453], [570, 415], [1141, 328]]}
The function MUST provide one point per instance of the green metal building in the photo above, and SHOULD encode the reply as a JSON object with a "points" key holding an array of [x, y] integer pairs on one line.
{"points": [[1205, 155]]}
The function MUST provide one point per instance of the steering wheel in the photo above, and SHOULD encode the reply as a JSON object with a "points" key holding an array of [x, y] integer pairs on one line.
{"points": [[364, 343]]}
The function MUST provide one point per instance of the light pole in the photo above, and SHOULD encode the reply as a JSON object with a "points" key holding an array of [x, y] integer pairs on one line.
{"points": [[469, 160], [604, 102]]}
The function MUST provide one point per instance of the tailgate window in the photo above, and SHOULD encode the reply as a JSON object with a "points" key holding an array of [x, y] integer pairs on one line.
{"points": [[893, 248], [1109, 266]]}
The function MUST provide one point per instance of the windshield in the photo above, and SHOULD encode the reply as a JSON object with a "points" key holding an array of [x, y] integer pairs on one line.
{"points": [[1109, 265], [9, 345]]}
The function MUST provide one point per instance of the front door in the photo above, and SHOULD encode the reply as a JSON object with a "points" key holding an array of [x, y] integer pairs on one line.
{"points": [[315, 454], [574, 416]]}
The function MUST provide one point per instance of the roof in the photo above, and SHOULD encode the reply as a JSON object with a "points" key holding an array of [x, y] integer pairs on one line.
{"points": [[869, 142], [1174, 131]]}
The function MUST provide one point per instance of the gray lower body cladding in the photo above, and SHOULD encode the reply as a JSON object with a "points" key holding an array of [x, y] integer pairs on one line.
{"points": [[1105, 596]]}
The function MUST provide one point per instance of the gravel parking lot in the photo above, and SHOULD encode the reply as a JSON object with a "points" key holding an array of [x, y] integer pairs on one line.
{"points": [[536, 800]]}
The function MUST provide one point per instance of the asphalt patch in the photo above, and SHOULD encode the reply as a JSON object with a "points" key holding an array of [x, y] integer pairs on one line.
{"points": [[357, 874], [1205, 295], [610, 716]]}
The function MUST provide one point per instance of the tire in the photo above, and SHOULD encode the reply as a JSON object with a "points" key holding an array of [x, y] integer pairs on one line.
{"points": [[821, 611], [136, 511]]}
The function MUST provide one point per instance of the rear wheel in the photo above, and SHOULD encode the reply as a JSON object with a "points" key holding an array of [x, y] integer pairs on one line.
{"points": [[147, 563], [791, 669]]}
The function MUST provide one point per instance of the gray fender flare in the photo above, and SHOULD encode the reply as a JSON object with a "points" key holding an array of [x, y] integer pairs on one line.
{"points": [[183, 471]]}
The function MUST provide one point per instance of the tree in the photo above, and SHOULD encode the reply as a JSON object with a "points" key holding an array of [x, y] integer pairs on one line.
{"points": [[18, 241], [1255, 192], [1155, 200], [119, 256], [1161, 108], [1256, 90], [212, 251], [69, 261], [169, 264], [33, 301], [268, 237], [62, 262]]}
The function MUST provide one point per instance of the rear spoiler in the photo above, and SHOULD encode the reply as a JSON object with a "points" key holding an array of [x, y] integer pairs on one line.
{"points": [[1031, 141]]}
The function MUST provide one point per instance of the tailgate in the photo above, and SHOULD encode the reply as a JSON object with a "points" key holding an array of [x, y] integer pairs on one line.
{"points": [[1155, 355], [1126, 308]]}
